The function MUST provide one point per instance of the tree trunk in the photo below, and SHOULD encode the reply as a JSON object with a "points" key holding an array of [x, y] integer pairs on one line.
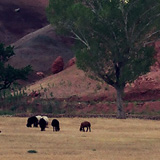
{"points": [[120, 109]]}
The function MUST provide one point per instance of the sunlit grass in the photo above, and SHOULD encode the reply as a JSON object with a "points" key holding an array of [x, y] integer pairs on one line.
{"points": [[110, 139]]}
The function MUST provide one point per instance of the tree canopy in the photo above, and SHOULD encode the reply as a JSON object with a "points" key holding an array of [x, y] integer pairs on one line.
{"points": [[114, 38], [9, 74]]}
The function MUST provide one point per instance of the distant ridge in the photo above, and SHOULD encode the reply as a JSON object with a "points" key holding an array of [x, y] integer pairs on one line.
{"points": [[39, 49]]}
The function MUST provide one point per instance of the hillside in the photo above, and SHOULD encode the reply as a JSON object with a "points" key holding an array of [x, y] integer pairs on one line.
{"points": [[35, 41], [40, 49], [73, 82], [16, 24], [37, 44]]}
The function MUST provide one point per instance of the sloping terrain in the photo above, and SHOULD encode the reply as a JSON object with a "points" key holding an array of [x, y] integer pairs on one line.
{"points": [[81, 95], [23, 24], [39, 49], [73, 82], [20, 17]]}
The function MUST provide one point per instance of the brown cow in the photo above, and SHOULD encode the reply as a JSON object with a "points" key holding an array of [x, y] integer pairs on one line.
{"points": [[85, 124]]}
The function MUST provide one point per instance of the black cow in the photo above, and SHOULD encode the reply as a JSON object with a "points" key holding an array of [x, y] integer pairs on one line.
{"points": [[32, 121], [55, 124], [85, 124], [43, 123]]}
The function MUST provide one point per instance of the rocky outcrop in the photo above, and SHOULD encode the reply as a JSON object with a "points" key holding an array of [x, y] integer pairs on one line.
{"points": [[57, 65], [71, 62]]}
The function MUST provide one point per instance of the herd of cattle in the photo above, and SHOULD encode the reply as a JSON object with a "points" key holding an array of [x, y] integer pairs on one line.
{"points": [[43, 122]]}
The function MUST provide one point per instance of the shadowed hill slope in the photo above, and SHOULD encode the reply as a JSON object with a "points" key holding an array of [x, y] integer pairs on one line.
{"points": [[16, 24], [40, 49]]}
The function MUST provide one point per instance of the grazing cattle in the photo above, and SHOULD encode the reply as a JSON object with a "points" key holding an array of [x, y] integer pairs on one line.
{"points": [[43, 123], [55, 124], [38, 117], [32, 121], [85, 124], [46, 119]]}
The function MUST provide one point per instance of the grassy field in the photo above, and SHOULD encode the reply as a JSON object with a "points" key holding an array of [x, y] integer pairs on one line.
{"points": [[110, 139]]}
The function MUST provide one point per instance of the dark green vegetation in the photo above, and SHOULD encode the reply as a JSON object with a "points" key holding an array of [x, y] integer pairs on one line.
{"points": [[18, 103], [9, 74], [113, 38], [8, 77]]}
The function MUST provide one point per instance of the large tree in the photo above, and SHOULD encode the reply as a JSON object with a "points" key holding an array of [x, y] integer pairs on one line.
{"points": [[9, 74], [113, 37]]}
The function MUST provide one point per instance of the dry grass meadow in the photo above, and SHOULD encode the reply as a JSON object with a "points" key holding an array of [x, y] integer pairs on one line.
{"points": [[110, 139]]}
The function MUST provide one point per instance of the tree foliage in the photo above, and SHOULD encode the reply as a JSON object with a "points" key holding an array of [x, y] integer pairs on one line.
{"points": [[114, 37], [9, 74]]}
